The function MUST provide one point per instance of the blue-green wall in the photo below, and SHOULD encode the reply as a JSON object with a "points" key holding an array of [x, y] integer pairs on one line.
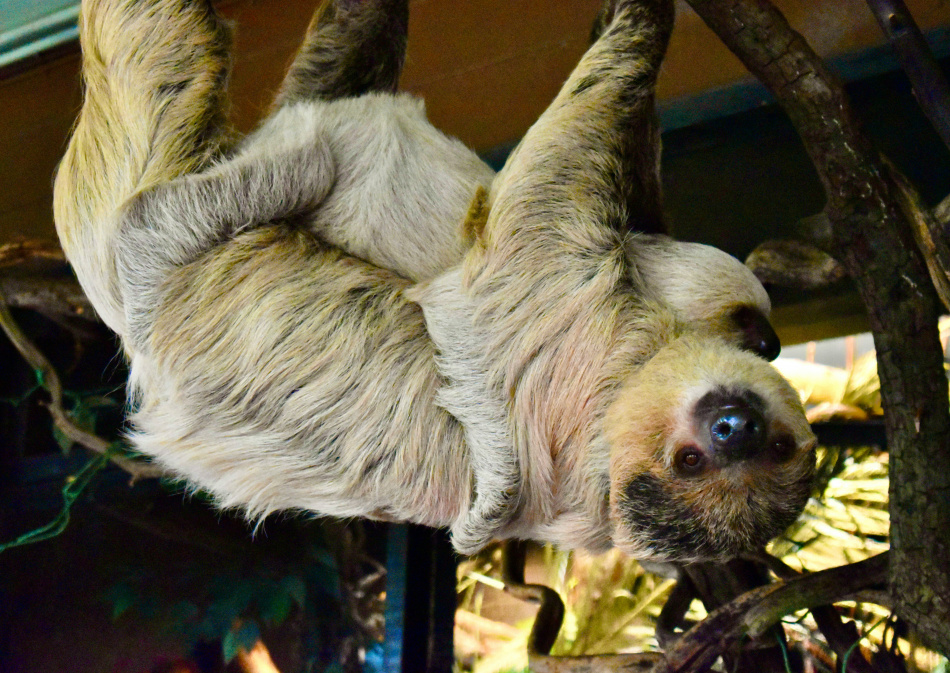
{"points": [[28, 27]]}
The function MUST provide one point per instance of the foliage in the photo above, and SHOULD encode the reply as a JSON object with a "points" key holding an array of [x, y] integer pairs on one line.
{"points": [[86, 409], [231, 600]]}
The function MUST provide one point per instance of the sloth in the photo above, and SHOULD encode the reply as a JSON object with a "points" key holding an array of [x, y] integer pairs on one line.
{"points": [[347, 313]]}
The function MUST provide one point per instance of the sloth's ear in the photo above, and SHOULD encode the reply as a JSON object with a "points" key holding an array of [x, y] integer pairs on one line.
{"points": [[758, 335]]}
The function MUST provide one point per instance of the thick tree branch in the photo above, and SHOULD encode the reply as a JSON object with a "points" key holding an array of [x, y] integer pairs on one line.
{"points": [[872, 237], [755, 612], [35, 275], [791, 263]]}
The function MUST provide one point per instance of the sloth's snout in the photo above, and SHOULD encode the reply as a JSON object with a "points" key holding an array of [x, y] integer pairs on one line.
{"points": [[733, 424], [737, 432]]}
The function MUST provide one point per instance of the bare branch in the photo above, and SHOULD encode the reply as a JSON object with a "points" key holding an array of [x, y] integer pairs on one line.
{"points": [[51, 381], [640, 662], [21, 252], [755, 612], [791, 263], [872, 220], [35, 274], [749, 616]]}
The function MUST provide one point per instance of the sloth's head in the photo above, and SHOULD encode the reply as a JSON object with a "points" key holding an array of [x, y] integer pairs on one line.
{"points": [[710, 453], [706, 289]]}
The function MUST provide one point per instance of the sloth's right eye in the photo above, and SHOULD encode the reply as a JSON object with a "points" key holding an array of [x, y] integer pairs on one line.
{"points": [[689, 460]]}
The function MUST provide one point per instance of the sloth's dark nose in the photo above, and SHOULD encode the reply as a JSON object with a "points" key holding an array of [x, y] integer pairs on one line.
{"points": [[737, 431]]}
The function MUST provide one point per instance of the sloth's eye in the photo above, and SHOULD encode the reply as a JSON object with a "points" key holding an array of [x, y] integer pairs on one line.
{"points": [[689, 460], [783, 449]]}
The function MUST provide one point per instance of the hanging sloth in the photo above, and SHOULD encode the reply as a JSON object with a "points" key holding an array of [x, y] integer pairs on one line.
{"points": [[346, 312]]}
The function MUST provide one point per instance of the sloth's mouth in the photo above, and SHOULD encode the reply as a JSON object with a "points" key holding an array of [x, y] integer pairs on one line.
{"points": [[658, 523]]}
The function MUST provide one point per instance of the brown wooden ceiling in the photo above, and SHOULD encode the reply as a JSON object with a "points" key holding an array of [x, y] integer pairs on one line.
{"points": [[486, 69]]}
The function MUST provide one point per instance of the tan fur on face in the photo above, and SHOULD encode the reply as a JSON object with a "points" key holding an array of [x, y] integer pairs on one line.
{"points": [[729, 509]]}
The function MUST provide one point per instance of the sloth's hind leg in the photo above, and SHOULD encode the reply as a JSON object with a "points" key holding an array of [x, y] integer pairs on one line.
{"points": [[352, 47], [174, 223]]}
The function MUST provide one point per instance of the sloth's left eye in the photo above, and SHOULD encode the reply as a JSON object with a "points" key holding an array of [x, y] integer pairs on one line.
{"points": [[783, 449], [689, 460]]}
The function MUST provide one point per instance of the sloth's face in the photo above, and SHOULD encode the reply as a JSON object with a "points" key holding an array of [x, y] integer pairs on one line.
{"points": [[711, 455]]}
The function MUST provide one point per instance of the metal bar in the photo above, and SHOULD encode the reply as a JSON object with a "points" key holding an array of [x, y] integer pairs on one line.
{"points": [[420, 600], [38, 35]]}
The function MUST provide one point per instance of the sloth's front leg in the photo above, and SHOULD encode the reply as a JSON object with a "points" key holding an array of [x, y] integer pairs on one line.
{"points": [[352, 47], [155, 73], [590, 164], [562, 204]]}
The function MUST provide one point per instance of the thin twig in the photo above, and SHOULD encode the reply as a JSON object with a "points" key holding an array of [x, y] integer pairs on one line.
{"points": [[50, 380]]}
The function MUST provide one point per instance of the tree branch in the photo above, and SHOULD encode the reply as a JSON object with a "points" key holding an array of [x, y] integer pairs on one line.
{"points": [[750, 616], [791, 263], [755, 612], [871, 218], [50, 380], [35, 275]]}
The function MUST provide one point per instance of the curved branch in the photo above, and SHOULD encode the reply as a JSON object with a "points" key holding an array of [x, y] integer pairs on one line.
{"points": [[756, 611], [50, 380], [791, 263], [34, 274], [840, 636]]}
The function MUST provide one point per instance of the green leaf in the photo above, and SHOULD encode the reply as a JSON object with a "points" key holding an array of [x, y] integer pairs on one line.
{"points": [[64, 442], [242, 638], [122, 596], [294, 587], [275, 606], [84, 416]]}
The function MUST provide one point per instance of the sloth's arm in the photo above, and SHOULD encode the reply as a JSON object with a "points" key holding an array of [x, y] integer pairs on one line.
{"points": [[549, 260], [172, 224], [352, 47], [588, 168], [154, 74]]}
